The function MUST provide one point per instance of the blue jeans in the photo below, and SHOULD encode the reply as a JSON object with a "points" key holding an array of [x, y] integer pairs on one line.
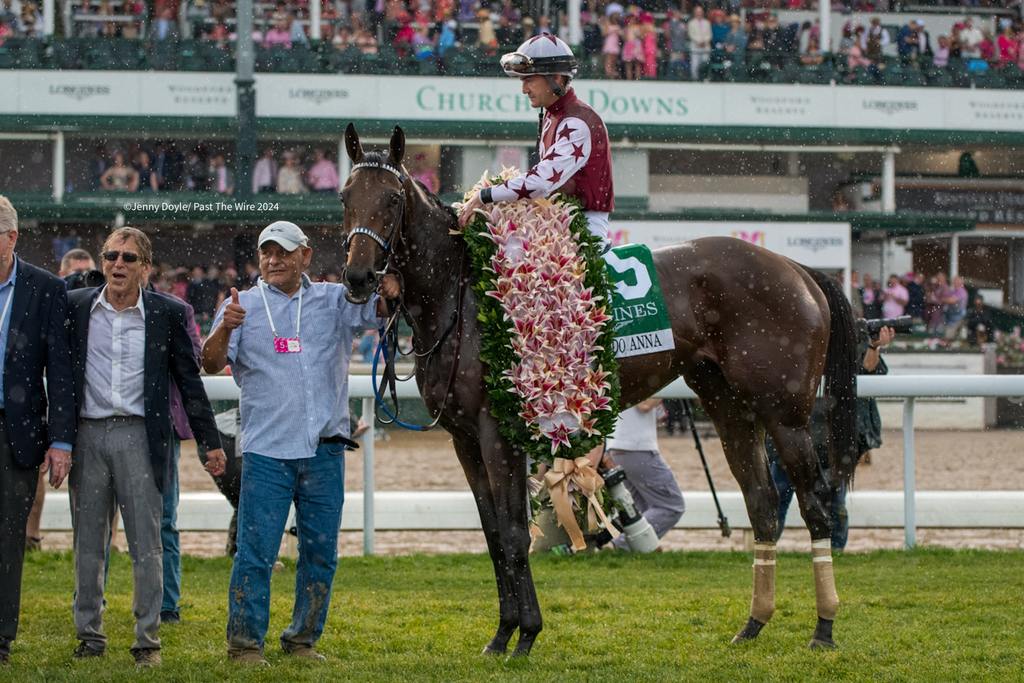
{"points": [[169, 533], [269, 486], [840, 519]]}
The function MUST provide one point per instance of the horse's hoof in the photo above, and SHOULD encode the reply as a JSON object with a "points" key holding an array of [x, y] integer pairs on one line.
{"points": [[524, 645], [818, 644], [822, 638], [750, 631], [499, 643]]}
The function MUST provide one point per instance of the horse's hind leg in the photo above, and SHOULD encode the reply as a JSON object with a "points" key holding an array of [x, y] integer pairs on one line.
{"points": [[742, 438], [476, 474], [798, 458]]}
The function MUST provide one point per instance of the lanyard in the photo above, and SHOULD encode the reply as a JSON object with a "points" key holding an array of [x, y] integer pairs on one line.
{"points": [[298, 320]]}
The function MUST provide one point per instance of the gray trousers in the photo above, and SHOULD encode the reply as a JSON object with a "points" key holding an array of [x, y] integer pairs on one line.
{"points": [[112, 471], [654, 489]]}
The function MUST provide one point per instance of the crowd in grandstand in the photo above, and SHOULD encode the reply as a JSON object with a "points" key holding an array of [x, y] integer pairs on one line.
{"points": [[648, 39], [163, 167]]}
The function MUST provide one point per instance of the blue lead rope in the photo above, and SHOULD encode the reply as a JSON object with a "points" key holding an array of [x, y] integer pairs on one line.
{"points": [[379, 398]]}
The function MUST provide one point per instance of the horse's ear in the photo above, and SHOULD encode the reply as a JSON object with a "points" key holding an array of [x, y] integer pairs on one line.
{"points": [[397, 146], [352, 144]]}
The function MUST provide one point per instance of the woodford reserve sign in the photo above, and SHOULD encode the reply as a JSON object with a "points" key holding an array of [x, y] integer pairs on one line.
{"points": [[498, 100]]}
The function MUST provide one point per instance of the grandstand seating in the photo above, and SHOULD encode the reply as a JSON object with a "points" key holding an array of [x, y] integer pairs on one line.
{"points": [[200, 55]]}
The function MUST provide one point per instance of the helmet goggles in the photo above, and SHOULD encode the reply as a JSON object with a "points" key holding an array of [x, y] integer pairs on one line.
{"points": [[517, 64]]}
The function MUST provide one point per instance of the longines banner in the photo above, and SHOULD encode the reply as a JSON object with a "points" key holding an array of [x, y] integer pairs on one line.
{"points": [[819, 245], [330, 97]]}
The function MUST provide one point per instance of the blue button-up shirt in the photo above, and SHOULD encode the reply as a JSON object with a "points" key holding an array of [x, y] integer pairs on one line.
{"points": [[289, 400], [6, 303]]}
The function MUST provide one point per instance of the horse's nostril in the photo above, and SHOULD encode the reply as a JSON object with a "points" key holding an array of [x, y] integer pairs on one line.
{"points": [[360, 278]]}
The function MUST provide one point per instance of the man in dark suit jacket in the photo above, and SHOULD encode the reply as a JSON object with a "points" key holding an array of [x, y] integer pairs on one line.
{"points": [[33, 340], [127, 343]]}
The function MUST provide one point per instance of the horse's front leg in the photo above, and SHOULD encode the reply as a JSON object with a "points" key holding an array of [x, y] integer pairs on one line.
{"points": [[468, 450], [507, 471]]}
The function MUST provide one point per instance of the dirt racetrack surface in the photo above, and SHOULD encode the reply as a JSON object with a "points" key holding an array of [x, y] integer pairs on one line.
{"points": [[406, 461]]}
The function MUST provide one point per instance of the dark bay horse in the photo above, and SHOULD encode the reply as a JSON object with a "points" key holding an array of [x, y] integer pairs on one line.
{"points": [[754, 332]]}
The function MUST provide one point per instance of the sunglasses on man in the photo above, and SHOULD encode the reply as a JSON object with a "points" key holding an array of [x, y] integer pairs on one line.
{"points": [[127, 256]]}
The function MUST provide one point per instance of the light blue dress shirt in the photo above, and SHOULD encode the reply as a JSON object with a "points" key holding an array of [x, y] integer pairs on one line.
{"points": [[6, 303], [289, 400]]}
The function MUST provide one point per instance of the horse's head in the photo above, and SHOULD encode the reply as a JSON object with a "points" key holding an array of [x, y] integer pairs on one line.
{"points": [[375, 202]]}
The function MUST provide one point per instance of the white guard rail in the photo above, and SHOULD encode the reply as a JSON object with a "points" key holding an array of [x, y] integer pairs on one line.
{"points": [[869, 508]]}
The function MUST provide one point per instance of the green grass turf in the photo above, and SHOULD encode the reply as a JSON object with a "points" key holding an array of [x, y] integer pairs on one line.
{"points": [[928, 615]]}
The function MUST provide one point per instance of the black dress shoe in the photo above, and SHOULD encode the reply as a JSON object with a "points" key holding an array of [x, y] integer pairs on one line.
{"points": [[169, 617], [85, 650]]}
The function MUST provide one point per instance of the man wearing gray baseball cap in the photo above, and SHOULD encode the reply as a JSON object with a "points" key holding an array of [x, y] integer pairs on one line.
{"points": [[288, 341]]}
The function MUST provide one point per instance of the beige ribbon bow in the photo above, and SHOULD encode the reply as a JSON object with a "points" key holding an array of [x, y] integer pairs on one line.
{"points": [[583, 475]]}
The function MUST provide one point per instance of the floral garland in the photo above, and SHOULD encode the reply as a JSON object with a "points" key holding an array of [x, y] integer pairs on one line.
{"points": [[542, 295]]}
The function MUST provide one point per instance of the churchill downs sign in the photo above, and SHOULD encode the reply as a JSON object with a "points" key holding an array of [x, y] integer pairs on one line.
{"points": [[331, 97]]}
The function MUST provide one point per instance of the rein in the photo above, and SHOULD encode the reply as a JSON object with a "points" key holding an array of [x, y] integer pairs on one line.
{"points": [[387, 346]]}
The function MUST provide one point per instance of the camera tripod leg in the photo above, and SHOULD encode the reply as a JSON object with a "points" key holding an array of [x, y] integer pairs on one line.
{"points": [[723, 521]]}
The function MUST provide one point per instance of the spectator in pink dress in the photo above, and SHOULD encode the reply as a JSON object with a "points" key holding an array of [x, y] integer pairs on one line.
{"points": [[941, 56], [612, 47], [987, 47], [649, 39], [280, 35], [1009, 45], [1020, 47], [405, 35], [424, 172], [5, 31], [322, 175], [895, 298], [856, 58], [632, 52]]}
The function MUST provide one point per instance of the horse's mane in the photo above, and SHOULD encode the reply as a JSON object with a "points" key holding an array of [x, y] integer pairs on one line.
{"points": [[432, 199]]}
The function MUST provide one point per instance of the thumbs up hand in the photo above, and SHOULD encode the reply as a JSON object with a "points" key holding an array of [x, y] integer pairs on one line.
{"points": [[234, 314]]}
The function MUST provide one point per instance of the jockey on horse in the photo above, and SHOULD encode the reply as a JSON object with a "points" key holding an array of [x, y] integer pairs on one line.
{"points": [[575, 158], [575, 155]]}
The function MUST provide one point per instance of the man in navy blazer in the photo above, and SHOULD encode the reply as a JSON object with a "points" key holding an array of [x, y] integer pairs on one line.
{"points": [[33, 432], [127, 344]]}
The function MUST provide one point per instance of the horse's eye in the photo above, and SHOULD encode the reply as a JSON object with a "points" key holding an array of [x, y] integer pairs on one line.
{"points": [[395, 199]]}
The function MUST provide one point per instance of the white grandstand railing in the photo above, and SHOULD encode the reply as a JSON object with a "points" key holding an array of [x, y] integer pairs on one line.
{"points": [[908, 387], [455, 510]]}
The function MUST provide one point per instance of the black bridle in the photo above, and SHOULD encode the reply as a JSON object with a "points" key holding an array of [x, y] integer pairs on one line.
{"points": [[385, 243], [388, 345]]}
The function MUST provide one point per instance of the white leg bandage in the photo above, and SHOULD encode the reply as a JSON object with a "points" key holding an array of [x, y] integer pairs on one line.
{"points": [[824, 580], [762, 605]]}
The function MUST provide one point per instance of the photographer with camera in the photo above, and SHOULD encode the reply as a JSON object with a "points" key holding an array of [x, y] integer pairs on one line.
{"points": [[872, 337], [79, 270], [634, 447], [640, 484]]}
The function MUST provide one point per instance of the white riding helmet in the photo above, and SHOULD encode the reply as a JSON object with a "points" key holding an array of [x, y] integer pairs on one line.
{"points": [[544, 55]]}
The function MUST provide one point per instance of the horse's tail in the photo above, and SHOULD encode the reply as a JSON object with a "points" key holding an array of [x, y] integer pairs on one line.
{"points": [[840, 378]]}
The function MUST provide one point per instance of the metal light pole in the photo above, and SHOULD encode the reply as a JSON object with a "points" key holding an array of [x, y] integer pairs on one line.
{"points": [[245, 137]]}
